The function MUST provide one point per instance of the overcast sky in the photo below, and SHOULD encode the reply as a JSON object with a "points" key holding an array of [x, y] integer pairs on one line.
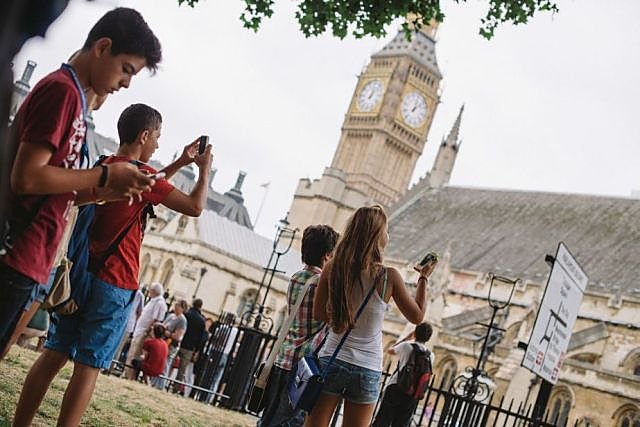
{"points": [[549, 106]]}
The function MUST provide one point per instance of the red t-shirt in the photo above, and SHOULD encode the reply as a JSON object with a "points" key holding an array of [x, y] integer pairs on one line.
{"points": [[157, 352], [121, 268], [52, 115]]}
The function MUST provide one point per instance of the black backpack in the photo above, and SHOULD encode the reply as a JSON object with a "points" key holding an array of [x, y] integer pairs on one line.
{"points": [[414, 376]]}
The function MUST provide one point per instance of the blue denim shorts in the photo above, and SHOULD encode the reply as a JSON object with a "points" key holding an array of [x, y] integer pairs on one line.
{"points": [[354, 383], [92, 334]]}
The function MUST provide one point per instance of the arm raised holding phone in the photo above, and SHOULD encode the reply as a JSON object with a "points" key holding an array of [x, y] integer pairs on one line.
{"points": [[192, 204], [413, 308], [189, 153]]}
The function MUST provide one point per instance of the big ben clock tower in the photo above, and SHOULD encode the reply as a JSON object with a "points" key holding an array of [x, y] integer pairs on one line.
{"points": [[383, 134], [386, 126]]}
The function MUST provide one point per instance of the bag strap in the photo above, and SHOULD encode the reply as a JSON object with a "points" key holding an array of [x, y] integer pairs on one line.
{"points": [[346, 334], [114, 245], [284, 330]]}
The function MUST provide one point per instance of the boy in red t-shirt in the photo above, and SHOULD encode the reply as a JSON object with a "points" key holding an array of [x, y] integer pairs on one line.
{"points": [[47, 141], [91, 335], [154, 356]]}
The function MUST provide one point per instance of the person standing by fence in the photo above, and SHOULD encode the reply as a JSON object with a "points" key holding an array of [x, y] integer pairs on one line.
{"points": [[191, 342], [344, 283], [397, 406], [304, 334]]}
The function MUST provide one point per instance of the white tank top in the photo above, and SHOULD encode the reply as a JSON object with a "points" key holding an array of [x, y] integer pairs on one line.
{"points": [[363, 346]]}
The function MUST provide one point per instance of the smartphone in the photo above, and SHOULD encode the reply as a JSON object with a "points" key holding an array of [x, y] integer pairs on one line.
{"points": [[158, 175], [428, 258], [202, 144]]}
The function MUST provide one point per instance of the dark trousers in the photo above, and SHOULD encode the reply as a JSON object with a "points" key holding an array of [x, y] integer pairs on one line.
{"points": [[15, 290], [278, 410], [396, 408]]}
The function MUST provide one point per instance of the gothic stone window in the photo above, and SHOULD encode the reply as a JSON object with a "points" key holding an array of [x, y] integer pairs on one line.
{"points": [[631, 363], [182, 224], [246, 299], [629, 418], [447, 370], [560, 406], [146, 259], [167, 271]]}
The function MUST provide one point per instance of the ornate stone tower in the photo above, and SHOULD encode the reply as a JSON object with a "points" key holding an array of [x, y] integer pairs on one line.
{"points": [[446, 158], [386, 126], [21, 89], [383, 135]]}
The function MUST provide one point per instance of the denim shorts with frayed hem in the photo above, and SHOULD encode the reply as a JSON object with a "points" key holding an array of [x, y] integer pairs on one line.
{"points": [[92, 334], [354, 383]]}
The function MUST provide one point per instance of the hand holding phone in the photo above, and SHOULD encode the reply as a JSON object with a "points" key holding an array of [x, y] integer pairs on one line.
{"points": [[158, 175], [429, 260], [202, 144]]}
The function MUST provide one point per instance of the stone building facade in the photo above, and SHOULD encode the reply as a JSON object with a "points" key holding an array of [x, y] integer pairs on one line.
{"points": [[217, 260], [483, 231]]}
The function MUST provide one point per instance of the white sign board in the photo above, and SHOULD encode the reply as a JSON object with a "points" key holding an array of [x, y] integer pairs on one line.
{"points": [[556, 316]]}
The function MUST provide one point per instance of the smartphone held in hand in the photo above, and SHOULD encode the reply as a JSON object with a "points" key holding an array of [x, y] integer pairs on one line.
{"points": [[431, 257], [158, 175], [202, 144]]}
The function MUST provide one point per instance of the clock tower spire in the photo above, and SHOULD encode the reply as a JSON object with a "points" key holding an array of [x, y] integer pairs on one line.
{"points": [[446, 158], [383, 134]]}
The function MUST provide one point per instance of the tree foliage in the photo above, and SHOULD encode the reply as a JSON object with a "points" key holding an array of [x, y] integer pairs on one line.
{"points": [[369, 17]]}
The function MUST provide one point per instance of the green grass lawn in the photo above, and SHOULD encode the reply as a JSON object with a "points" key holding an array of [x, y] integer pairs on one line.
{"points": [[116, 402]]}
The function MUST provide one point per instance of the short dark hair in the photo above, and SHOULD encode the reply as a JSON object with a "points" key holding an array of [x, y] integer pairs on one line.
{"points": [[135, 119], [317, 241], [197, 303], [158, 330], [129, 34], [423, 332]]}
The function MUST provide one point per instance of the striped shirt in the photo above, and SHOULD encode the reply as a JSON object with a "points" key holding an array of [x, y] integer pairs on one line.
{"points": [[303, 336]]}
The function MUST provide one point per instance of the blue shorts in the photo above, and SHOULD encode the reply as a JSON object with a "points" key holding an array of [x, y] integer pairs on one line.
{"points": [[354, 383], [92, 334]]}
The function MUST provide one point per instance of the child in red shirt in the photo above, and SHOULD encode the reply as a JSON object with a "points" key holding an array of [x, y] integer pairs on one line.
{"points": [[154, 356]]}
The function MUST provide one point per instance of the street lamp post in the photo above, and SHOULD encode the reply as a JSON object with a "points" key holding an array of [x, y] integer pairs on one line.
{"points": [[281, 245], [203, 271], [474, 383]]}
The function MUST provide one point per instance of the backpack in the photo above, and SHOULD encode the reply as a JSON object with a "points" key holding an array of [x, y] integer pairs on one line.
{"points": [[414, 376], [81, 264]]}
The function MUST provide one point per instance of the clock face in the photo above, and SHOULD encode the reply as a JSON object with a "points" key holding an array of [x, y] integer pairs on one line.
{"points": [[370, 95], [414, 109]]}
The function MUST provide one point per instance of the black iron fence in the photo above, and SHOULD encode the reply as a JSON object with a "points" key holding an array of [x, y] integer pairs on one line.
{"points": [[233, 351], [442, 407]]}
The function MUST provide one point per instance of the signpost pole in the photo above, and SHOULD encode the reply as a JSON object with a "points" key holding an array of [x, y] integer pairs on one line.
{"points": [[540, 406]]}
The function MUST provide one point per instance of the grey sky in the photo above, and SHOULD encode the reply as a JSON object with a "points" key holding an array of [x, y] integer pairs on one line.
{"points": [[549, 106]]}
